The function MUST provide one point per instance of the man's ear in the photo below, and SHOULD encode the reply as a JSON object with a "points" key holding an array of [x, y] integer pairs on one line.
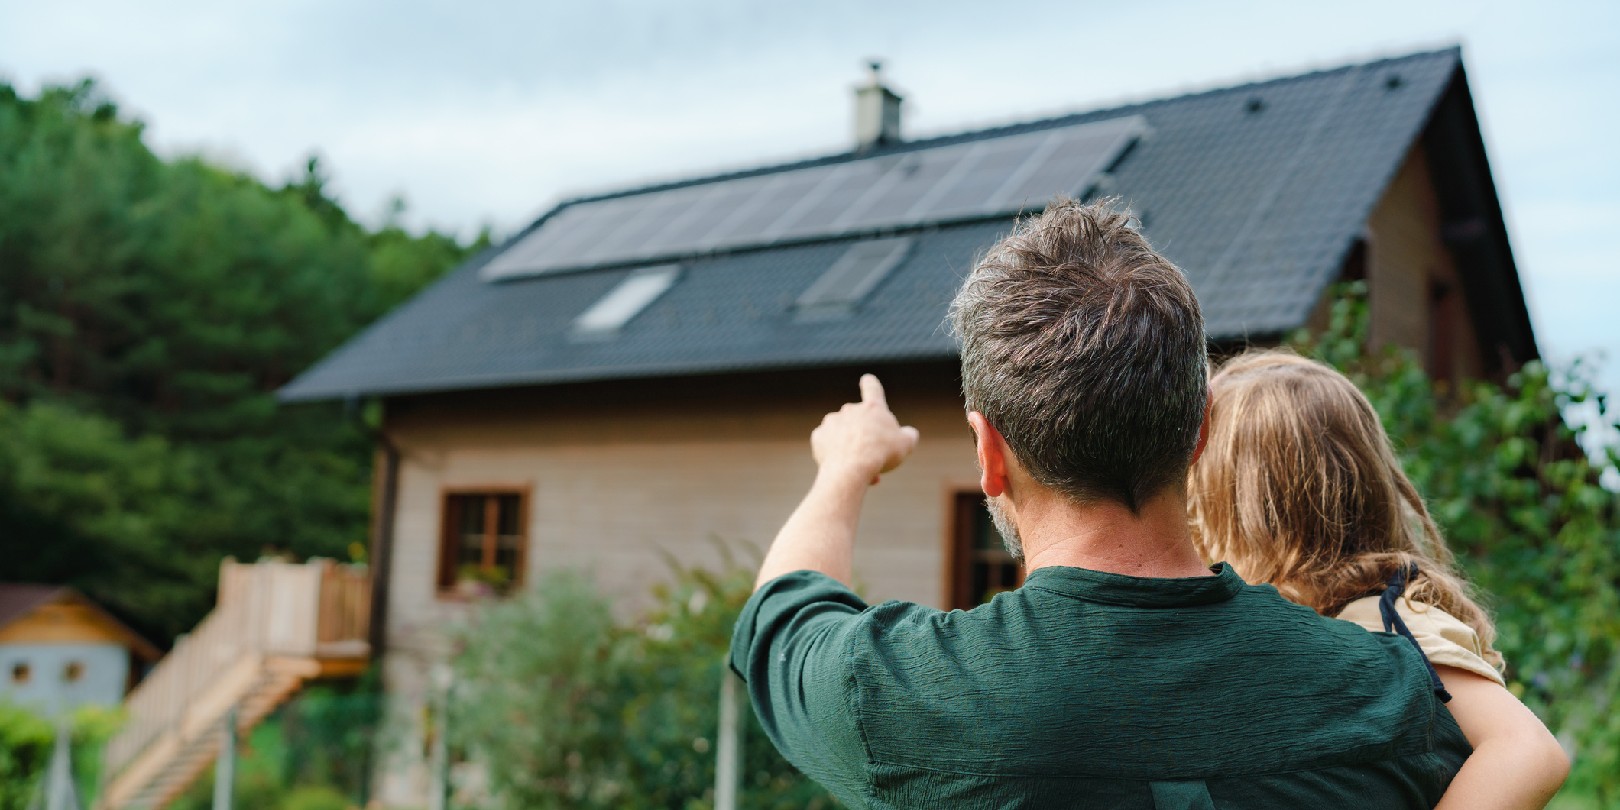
{"points": [[992, 450], [1203, 429]]}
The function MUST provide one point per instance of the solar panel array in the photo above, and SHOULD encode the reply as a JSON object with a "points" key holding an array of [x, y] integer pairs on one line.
{"points": [[987, 177]]}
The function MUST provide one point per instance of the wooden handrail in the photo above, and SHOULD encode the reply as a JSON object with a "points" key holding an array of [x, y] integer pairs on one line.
{"points": [[265, 610]]}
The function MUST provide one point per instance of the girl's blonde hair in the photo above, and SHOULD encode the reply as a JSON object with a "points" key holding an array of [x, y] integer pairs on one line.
{"points": [[1298, 487]]}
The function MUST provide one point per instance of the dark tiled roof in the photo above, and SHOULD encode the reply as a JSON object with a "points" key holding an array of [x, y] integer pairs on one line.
{"points": [[20, 599], [1255, 191]]}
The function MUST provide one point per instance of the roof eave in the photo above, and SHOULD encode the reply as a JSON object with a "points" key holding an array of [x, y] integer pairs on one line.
{"points": [[1476, 228], [598, 374]]}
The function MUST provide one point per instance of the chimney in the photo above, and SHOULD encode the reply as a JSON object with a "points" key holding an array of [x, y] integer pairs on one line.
{"points": [[877, 112]]}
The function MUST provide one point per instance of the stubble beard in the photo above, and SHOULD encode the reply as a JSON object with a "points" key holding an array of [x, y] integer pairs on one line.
{"points": [[1009, 531]]}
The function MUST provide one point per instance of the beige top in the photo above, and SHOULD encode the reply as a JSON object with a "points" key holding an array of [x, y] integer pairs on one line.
{"points": [[1445, 639]]}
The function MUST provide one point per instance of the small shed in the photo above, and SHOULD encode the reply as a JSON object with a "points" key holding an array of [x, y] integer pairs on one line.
{"points": [[59, 650]]}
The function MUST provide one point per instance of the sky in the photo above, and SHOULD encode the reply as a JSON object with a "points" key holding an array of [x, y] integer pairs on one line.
{"points": [[485, 113]]}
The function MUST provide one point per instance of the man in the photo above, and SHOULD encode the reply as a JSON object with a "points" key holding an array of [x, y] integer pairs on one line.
{"points": [[1124, 673]]}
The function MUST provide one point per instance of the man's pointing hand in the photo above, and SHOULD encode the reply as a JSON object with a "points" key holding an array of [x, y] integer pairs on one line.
{"points": [[863, 439]]}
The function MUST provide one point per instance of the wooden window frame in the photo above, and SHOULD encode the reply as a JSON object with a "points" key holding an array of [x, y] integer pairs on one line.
{"points": [[961, 504], [445, 579]]}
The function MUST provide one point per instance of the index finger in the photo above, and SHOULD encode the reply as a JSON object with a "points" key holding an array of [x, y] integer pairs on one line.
{"points": [[872, 390]]}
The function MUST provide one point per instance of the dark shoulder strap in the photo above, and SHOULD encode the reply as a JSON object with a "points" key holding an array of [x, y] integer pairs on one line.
{"points": [[1394, 624]]}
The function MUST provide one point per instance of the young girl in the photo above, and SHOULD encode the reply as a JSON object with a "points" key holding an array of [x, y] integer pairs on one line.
{"points": [[1298, 488]]}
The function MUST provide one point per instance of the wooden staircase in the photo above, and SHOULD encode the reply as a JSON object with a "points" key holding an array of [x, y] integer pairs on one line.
{"points": [[276, 627]]}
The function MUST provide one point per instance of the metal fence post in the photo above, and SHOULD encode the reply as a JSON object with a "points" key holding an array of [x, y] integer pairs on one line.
{"points": [[225, 765], [57, 791], [728, 753], [439, 762]]}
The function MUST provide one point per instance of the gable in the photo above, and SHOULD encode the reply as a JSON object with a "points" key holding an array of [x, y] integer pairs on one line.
{"points": [[1257, 192]]}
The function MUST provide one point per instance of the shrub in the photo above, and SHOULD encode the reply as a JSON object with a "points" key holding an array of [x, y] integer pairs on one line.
{"points": [[26, 742], [315, 798], [566, 707]]}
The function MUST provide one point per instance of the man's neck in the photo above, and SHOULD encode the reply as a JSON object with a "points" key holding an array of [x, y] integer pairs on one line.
{"points": [[1106, 536]]}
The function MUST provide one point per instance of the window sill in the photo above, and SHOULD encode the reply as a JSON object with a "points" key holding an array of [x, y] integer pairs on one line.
{"points": [[473, 594]]}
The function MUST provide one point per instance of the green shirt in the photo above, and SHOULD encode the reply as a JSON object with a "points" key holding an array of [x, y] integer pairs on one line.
{"points": [[1088, 689]]}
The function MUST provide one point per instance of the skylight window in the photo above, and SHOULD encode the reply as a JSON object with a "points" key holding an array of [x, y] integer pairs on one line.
{"points": [[850, 279], [611, 312]]}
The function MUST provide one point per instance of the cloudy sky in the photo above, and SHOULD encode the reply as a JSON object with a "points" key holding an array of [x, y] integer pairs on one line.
{"points": [[483, 113]]}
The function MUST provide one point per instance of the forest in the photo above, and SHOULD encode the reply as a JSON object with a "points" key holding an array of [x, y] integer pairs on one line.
{"points": [[149, 309]]}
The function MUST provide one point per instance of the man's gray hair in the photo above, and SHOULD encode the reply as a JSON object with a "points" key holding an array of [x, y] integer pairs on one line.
{"points": [[1086, 350]]}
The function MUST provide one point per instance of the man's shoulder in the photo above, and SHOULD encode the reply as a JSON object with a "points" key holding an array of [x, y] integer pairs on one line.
{"points": [[1260, 610], [909, 624], [1257, 614]]}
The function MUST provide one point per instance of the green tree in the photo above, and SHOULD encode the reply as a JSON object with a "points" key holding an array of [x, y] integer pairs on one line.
{"points": [[1526, 511], [158, 304], [81, 502]]}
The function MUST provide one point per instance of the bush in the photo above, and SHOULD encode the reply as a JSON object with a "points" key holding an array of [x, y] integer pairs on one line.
{"points": [[330, 731], [26, 743], [315, 798], [566, 707], [25, 749]]}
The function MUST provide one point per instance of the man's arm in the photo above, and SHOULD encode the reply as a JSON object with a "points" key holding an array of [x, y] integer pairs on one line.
{"points": [[852, 448], [794, 642]]}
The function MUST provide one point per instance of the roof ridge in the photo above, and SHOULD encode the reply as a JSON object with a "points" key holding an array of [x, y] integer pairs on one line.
{"points": [[1114, 108]]}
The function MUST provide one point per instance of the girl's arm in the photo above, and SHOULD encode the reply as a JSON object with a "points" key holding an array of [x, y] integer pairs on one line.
{"points": [[1516, 762]]}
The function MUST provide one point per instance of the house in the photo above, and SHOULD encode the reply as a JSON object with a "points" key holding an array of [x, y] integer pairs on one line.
{"points": [[637, 371], [60, 651]]}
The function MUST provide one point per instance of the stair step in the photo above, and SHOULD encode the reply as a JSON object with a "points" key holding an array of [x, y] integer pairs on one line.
{"points": [[270, 689]]}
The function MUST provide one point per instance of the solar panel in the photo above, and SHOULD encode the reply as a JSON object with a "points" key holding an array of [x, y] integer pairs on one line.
{"points": [[1073, 161], [701, 206], [891, 199], [843, 190], [828, 179], [671, 207], [541, 246], [764, 209], [985, 171], [629, 227], [611, 312], [860, 269], [989, 177]]}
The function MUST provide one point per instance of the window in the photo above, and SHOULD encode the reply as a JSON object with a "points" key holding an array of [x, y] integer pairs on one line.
{"points": [[980, 565], [73, 672], [1443, 318], [836, 292], [611, 312], [484, 544], [1355, 262], [21, 673]]}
